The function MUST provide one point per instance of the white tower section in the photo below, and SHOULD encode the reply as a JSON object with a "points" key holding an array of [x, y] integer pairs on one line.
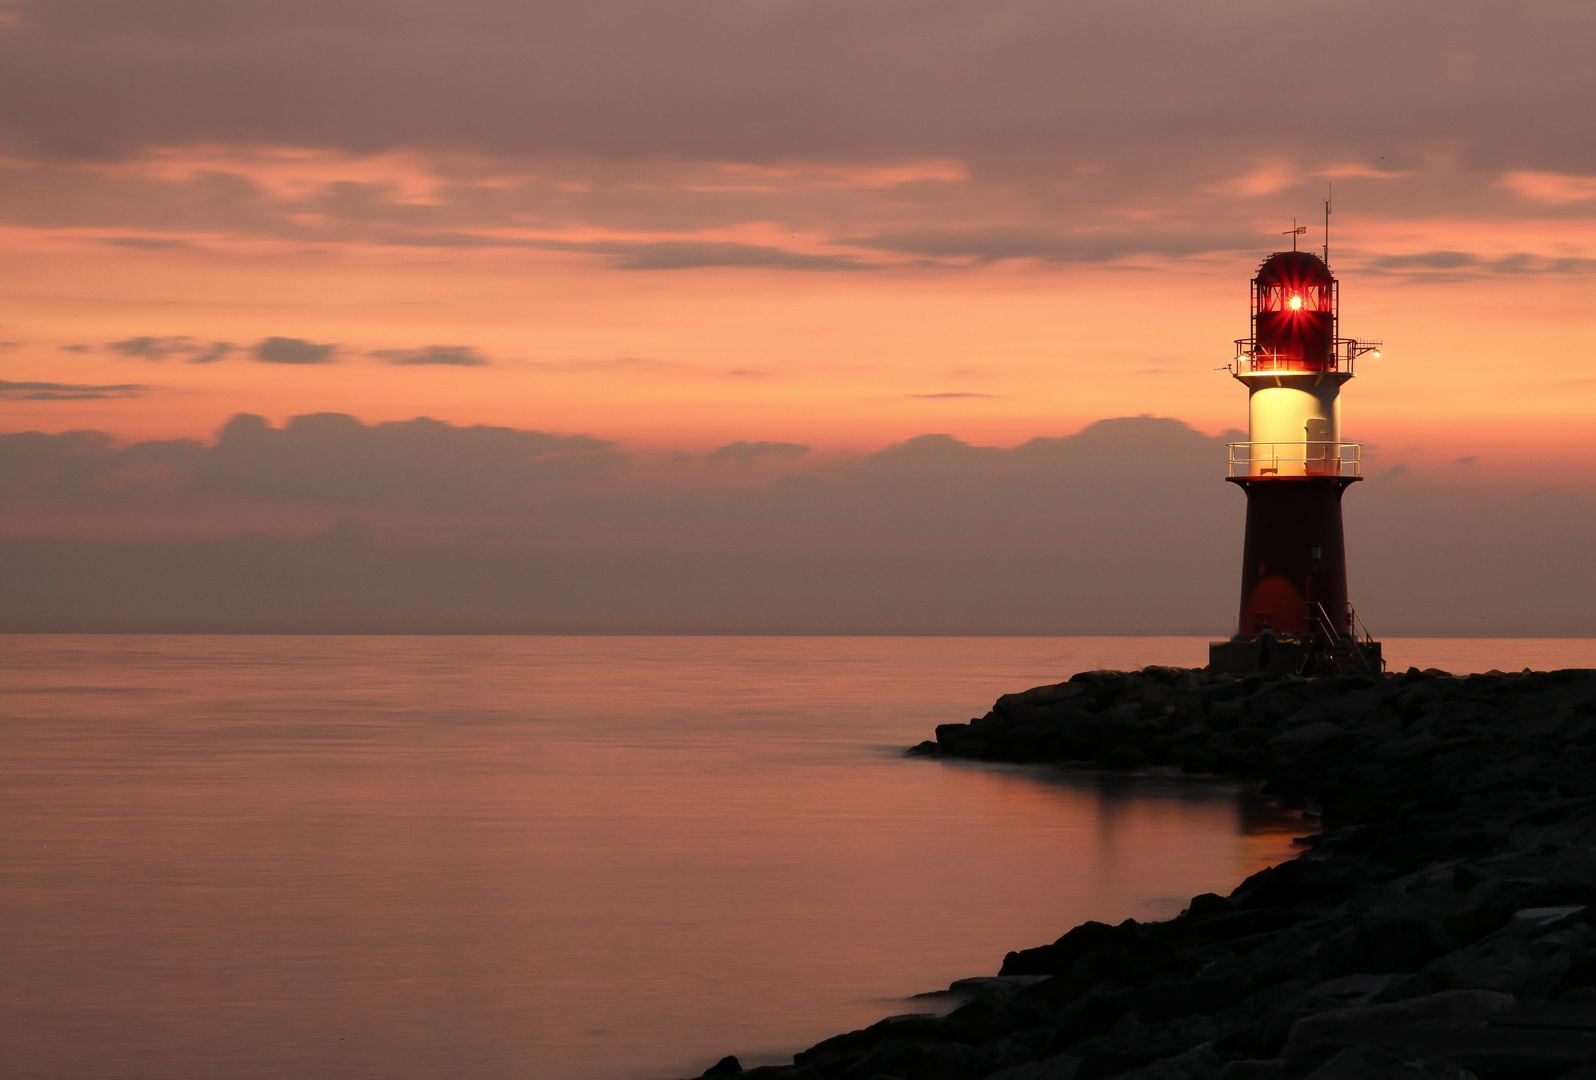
{"points": [[1293, 421]]}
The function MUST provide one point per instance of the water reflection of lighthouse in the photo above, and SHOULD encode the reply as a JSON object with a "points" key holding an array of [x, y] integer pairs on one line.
{"points": [[1295, 468]]}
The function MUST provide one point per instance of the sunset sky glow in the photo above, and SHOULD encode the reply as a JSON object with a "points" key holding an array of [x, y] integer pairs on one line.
{"points": [[825, 224]]}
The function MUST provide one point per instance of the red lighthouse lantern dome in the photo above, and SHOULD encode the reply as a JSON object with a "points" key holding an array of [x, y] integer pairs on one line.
{"points": [[1294, 313]]}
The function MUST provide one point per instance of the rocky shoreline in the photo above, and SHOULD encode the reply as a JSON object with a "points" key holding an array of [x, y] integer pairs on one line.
{"points": [[1441, 924]]}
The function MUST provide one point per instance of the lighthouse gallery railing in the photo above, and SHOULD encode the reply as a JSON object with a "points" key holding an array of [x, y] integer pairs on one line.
{"points": [[1251, 359], [1296, 459]]}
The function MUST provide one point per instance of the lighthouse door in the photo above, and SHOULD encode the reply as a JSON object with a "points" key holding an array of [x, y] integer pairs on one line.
{"points": [[1319, 454]]}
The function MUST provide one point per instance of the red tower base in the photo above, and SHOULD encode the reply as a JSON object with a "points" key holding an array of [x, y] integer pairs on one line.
{"points": [[1294, 559], [1294, 580]]}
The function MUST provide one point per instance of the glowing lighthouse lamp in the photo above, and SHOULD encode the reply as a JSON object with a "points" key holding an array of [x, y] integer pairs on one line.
{"points": [[1295, 616]]}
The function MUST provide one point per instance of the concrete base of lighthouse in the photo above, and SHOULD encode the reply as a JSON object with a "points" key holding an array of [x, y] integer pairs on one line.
{"points": [[1294, 654]]}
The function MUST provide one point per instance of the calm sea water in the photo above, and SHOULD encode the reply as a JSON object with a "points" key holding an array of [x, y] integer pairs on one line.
{"points": [[546, 857]]}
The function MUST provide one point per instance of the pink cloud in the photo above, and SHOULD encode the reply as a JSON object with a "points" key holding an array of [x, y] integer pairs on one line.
{"points": [[1546, 187]]}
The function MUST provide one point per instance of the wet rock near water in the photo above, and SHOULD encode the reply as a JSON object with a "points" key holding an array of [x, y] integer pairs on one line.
{"points": [[1441, 924]]}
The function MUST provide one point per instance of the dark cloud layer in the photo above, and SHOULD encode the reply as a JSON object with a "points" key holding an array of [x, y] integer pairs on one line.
{"points": [[827, 79], [1125, 527], [692, 254], [743, 454], [1061, 133], [448, 355], [143, 243], [88, 467], [286, 350], [987, 244], [1517, 263], [159, 348], [54, 391], [421, 463], [280, 350], [323, 458]]}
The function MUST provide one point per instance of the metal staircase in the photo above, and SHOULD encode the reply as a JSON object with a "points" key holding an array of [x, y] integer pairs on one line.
{"points": [[1349, 651]]}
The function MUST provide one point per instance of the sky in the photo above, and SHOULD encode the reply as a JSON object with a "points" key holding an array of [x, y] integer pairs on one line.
{"points": [[695, 296]]}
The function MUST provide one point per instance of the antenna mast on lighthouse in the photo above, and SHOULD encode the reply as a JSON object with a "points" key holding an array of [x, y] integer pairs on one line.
{"points": [[1329, 193]]}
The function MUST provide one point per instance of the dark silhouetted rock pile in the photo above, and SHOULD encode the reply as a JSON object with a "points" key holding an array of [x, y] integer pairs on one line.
{"points": [[1442, 924]]}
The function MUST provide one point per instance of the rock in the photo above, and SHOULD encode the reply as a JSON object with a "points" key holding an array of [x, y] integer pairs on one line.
{"points": [[960, 739], [1199, 997], [1058, 1067], [1067, 950], [1125, 1037], [903, 1057], [1531, 920], [1308, 734], [1363, 989], [1253, 1069], [726, 1066], [906, 1028], [1198, 1063], [780, 1072], [1371, 1063], [1104, 675], [1208, 904], [1343, 1026], [1523, 957], [1294, 883], [1381, 945], [1000, 986], [1038, 695]]}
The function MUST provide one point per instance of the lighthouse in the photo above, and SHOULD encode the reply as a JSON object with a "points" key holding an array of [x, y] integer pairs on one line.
{"points": [[1295, 615]]}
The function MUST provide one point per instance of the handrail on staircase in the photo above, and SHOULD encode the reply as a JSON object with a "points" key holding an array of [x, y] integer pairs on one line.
{"points": [[1356, 623], [1317, 611]]}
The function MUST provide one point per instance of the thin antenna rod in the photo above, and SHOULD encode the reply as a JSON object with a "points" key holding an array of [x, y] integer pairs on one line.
{"points": [[1329, 189]]}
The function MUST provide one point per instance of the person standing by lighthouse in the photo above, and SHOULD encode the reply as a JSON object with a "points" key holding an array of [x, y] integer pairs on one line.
{"points": [[1294, 469]]}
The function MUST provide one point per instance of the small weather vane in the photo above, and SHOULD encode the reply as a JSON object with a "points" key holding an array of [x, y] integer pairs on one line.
{"points": [[1294, 232]]}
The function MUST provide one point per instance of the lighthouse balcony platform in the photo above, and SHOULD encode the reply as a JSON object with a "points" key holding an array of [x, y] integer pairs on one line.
{"points": [[1341, 355], [1259, 460]]}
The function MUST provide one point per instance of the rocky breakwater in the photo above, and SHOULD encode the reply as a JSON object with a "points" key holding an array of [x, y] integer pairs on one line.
{"points": [[1442, 922]]}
